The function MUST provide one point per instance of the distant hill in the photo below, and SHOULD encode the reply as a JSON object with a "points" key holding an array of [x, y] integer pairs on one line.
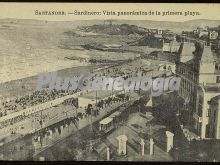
{"points": [[202, 22], [148, 40], [174, 26], [116, 29]]}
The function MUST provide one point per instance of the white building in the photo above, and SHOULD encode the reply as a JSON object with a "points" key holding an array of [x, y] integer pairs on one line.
{"points": [[199, 84]]}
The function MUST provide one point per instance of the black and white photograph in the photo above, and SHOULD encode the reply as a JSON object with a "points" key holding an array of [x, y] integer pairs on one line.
{"points": [[110, 82]]}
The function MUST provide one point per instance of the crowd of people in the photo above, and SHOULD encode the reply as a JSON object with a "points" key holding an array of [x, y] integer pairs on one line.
{"points": [[93, 110], [39, 97], [127, 69], [35, 98]]}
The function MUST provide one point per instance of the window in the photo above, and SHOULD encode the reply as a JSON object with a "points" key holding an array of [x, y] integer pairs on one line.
{"points": [[214, 116], [200, 106], [208, 131], [188, 86], [213, 133], [208, 113]]}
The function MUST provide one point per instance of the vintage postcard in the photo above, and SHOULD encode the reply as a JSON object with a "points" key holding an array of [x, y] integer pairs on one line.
{"points": [[110, 82]]}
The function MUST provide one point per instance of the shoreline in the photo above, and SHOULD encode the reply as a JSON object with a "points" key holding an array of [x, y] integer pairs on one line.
{"points": [[20, 87]]}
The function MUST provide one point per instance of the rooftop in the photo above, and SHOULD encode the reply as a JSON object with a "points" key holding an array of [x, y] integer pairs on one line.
{"points": [[187, 49], [106, 120], [175, 43], [216, 98], [115, 114], [207, 55], [197, 51]]}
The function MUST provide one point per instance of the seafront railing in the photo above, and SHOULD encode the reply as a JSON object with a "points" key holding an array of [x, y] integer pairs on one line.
{"points": [[40, 107]]}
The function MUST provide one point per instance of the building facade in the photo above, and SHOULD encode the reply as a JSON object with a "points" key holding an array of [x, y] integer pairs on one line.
{"points": [[214, 118], [199, 74]]}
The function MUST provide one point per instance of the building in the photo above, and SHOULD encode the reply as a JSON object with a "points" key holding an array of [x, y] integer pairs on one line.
{"points": [[213, 128], [199, 74], [203, 33], [169, 51], [154, 31], [213, 35], [171, 47]]}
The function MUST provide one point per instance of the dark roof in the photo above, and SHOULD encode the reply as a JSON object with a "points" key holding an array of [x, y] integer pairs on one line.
{"points": [[216, 98]]}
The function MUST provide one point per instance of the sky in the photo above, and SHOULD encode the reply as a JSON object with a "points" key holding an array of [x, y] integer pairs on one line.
{"points": [[27, 11]]}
